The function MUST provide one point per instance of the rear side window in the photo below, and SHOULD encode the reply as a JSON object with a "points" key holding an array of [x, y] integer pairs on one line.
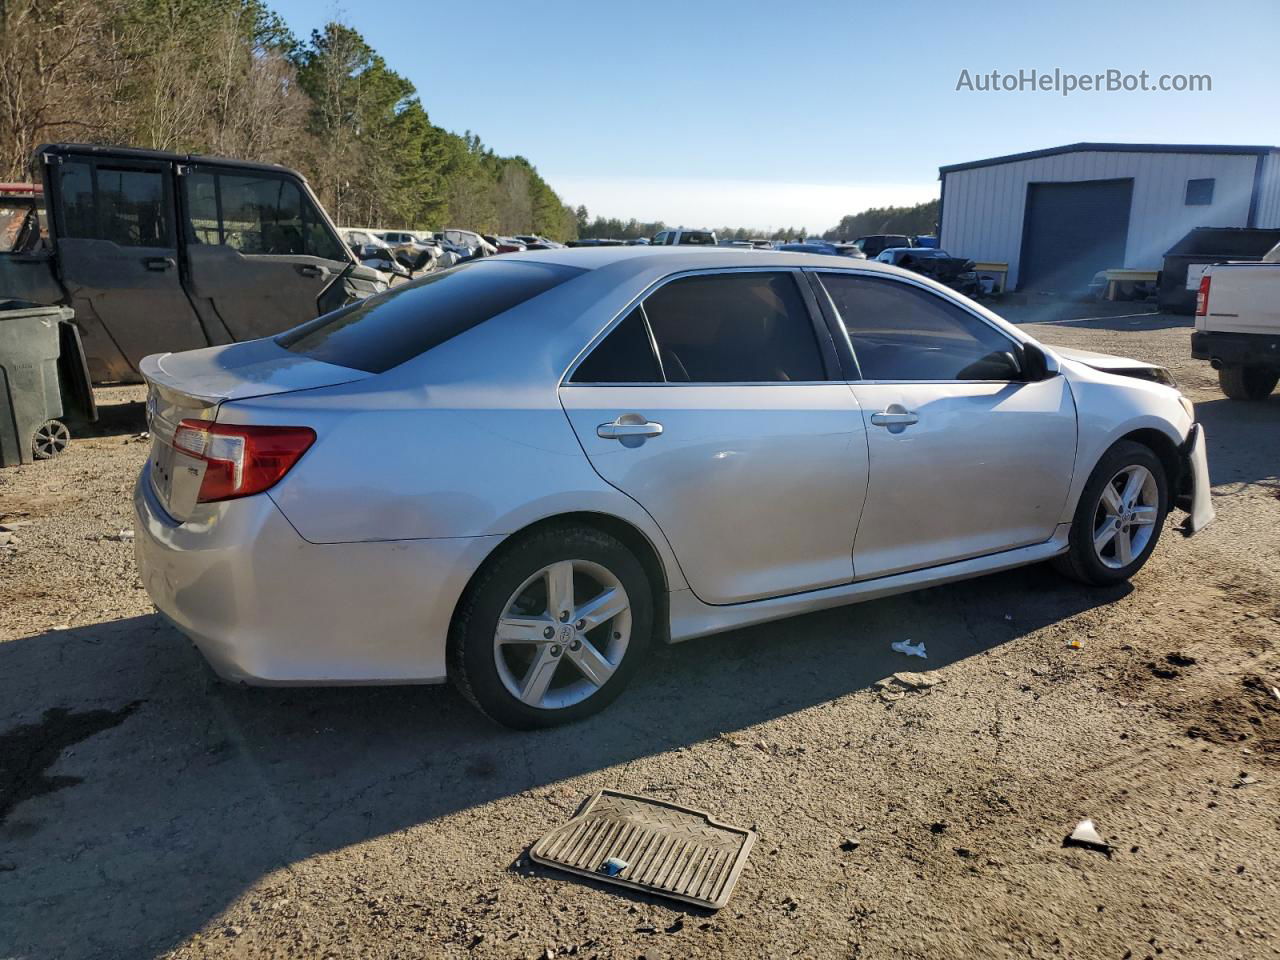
{"points": [[734, 328], [624, 356], [900, 332], [695, 238], [386, 330], [126, 206]]}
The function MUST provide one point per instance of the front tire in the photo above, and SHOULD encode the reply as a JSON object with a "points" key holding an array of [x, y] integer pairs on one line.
{"points": [[552, 628], [1239, 382], [1119, 517]]}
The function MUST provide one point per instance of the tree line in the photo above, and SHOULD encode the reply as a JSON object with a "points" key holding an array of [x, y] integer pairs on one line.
{"points": [[228, 78], [916, 220]]}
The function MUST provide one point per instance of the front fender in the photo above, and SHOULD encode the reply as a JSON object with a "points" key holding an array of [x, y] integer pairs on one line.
{"points": [[1110, 407]]}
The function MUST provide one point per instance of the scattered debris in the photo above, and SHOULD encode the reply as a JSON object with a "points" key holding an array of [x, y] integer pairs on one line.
{"points": [[850, 845], [1086, 835], [1075, 644], [1244, 780], [613, 866], [124, 536], [898, 685], [1180, 659], [908, 648], [1275, 692], [6, 538]]}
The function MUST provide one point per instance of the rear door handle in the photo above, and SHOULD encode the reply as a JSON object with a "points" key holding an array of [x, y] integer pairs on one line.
{"points": [[310, 270], [629, 427], [159, 263], [896, 417]]}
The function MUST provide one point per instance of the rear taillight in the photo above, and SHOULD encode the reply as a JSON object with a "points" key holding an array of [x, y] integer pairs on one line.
{"points": [[240, 460], [1202, 297]]}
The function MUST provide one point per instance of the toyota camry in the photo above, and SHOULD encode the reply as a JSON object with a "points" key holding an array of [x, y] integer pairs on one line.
{"points": [[523, 472]]}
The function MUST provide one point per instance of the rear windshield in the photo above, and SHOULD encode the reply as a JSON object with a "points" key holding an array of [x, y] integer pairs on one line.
{"points": [[386, 330]]}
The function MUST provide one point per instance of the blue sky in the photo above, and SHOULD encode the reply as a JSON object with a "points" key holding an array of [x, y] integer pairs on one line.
{"points": [[711, 112]]}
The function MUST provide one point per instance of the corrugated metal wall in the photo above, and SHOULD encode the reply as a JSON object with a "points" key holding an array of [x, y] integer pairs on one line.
{"points": [[983, 208], [1269, 195]]}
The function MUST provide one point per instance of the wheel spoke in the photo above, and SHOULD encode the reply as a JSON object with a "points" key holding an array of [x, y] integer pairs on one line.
{"points": [[522, 629], [1124, 547], [601, 608], [560, 588], [538, 677], [1133, 486], [1104, 536], [591, 662], [1144, 516], [1111, 501]]}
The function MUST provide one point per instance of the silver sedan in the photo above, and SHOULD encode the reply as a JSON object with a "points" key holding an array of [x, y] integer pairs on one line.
{"points": [[522, 472]]}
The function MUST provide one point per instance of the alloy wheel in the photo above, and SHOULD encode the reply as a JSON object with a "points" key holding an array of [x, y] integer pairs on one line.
{"points": [[562, 634], [1125, 516]]}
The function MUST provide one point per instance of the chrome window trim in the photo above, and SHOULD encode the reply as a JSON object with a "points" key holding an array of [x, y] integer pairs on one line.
{"points": [[906, 281], [566, 380]]}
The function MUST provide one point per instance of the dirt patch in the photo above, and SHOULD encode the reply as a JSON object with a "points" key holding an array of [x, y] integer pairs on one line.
{"points": [[28, 750]]}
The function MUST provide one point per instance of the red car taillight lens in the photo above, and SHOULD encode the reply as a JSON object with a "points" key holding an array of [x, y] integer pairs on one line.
{"points": [[1202, 298], [240, 460]]}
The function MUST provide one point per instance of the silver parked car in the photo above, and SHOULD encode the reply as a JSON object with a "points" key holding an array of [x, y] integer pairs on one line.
{"points": [[523, 471]]}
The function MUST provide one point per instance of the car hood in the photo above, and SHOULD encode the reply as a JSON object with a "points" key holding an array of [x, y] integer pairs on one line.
{"points": [[1102, 361]]}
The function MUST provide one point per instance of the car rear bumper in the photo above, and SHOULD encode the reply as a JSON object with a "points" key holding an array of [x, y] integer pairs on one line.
{"points": [[1246, 349], [265, 606]]}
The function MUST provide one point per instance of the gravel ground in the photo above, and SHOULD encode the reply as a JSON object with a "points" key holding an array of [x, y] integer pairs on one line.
{"points": [[148, 810]]}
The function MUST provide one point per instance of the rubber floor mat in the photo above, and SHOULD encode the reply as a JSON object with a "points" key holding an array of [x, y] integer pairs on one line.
{"points": [[649, 845]]}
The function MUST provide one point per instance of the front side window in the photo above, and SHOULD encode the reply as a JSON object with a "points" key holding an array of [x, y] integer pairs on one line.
{"points": [[390, 328], [748, 327], [901, 332], [256, 214]]}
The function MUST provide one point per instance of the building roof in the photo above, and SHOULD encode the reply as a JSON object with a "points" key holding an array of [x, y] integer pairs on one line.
{"points": [[1222, 149]]}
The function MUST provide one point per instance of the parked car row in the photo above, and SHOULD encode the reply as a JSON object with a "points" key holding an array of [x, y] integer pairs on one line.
{"points": [[405, 253]]}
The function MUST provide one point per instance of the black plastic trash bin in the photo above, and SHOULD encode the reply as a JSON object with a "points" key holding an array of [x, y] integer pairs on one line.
{"points": [[31, 402]]}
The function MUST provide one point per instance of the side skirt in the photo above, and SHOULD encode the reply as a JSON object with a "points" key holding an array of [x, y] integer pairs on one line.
{"points": [[690, 617]]}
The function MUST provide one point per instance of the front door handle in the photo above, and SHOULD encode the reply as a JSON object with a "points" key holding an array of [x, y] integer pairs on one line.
{"points": [[159, 263], [310, 270], [630, 428], [896, 417]]}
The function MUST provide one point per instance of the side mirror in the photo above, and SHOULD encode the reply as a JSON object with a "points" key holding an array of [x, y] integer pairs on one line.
{"points": [[1035, 365]]}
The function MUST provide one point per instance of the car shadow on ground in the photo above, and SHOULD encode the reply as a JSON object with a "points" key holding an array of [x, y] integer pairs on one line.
{"points": [[1242, 441], [167, 793]]}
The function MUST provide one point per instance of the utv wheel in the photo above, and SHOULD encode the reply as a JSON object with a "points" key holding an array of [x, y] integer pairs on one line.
{"points": [[1119, 517], [50, 439], [1247, 383], [552, 628]]}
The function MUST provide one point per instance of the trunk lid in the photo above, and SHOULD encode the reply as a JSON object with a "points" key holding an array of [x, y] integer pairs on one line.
{"points": [[192, 386]]}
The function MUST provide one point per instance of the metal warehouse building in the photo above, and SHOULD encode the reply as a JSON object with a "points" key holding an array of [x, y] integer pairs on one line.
{"points": [[1058, 216]]}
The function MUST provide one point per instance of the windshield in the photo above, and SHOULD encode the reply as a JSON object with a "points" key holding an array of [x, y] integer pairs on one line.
{"points": [[386, 330]]}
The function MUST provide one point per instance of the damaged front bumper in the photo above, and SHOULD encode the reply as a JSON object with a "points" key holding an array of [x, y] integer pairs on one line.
{"points": [[1194, 496]]}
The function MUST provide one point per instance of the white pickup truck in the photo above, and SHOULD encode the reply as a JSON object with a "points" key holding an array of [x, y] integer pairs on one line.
{"points": [[1238, 325]]}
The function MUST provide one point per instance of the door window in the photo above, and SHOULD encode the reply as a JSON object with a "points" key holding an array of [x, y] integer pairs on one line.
{"points": [[901, 332], [256, 214], [125, 206], [749, 327], [624, 356]]}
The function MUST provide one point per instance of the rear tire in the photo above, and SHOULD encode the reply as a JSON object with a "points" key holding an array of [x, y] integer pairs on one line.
{"points": [[1113, 533], [1239, 382], [529, 653]]}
